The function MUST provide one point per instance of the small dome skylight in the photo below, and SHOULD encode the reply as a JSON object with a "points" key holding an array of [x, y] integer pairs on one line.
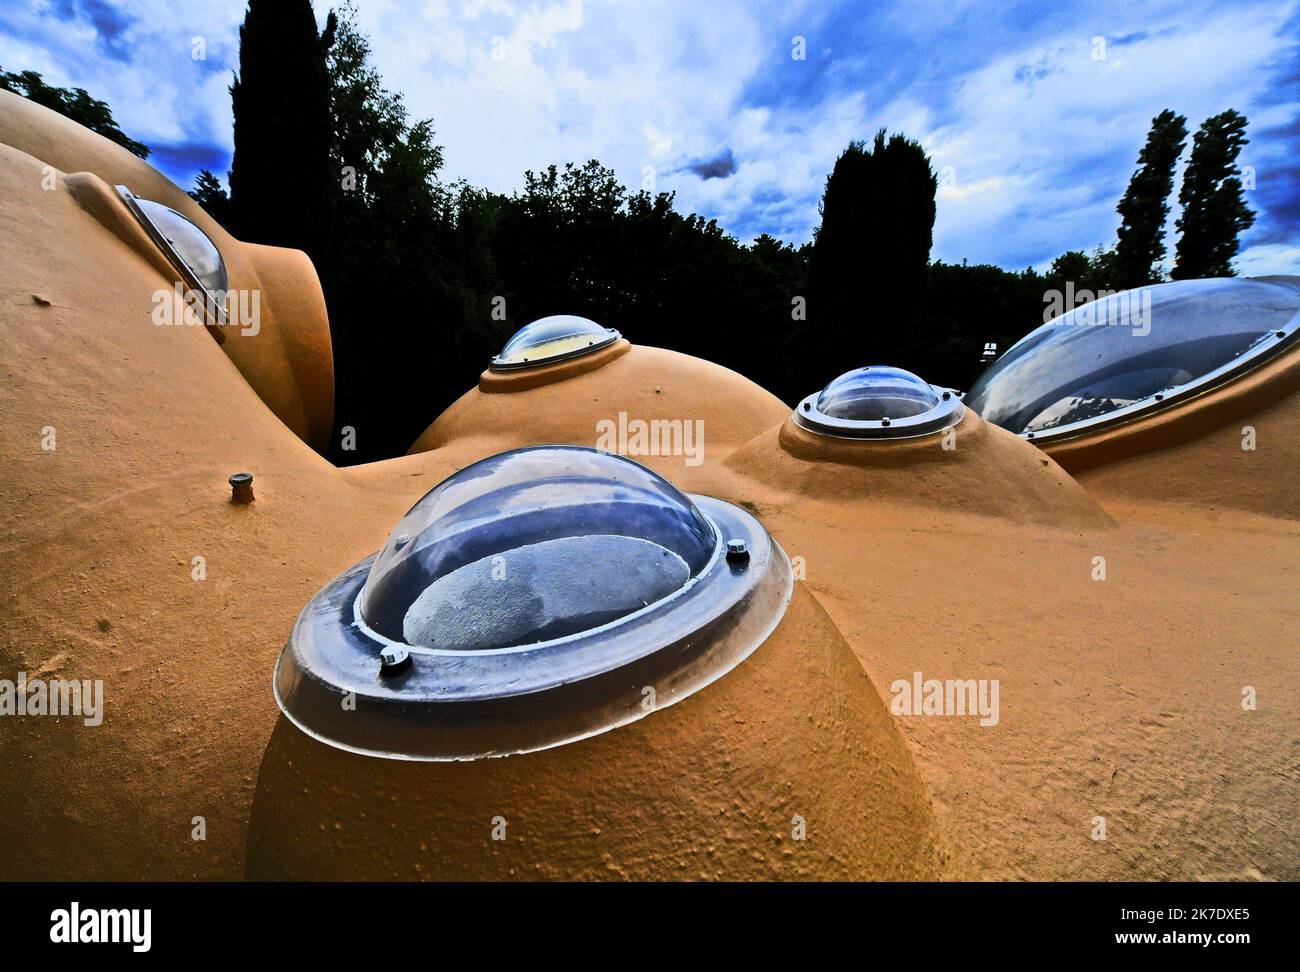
{"points": [[188, 247], [551, 339], [879, 402]]}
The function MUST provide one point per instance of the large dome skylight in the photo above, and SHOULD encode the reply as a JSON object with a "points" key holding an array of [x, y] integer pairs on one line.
{"points": [[1141, 350]]}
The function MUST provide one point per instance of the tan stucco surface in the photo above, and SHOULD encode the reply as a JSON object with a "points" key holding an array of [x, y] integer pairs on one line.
{"points": [[711, 788], [1234, 448]]}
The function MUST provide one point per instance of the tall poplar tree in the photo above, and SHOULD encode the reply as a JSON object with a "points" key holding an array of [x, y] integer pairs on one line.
{"points": [[1145, 205], [1214, 206]]}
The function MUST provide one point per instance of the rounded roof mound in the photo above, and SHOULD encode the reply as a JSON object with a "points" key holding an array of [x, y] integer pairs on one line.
{"points": [[760, 732], [627, 383]]}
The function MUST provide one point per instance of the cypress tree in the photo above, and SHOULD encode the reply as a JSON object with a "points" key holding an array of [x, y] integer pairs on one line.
{"points": [[209, 194], [280, 176], [870, 258]]}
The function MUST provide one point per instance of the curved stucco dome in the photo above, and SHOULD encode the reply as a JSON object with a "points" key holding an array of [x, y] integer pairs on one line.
{"points": [[285, 354], [601, 399], [969, 466], [713, 787]]}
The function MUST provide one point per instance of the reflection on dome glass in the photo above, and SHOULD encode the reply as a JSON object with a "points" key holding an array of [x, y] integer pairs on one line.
{"points": [[553, 339], [533, 545], [530, 600], [879, 402], [541, 591], [199, 255], [1125, 354], [876, 393]]}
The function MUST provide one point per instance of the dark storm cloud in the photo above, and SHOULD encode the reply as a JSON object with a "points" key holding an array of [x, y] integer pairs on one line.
{"points": [[718, 167]]}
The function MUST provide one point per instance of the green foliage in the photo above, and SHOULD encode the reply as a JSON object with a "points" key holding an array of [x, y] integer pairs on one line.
{"points": [[74, 103], [575, 241], [1071, 265], [1214, 207], [327, 160], [1145, 207], [1081, 272], [968, 306], [411, 260]]}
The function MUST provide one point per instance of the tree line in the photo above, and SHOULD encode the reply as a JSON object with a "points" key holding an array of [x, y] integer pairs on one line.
{"points": [[416, 270]]}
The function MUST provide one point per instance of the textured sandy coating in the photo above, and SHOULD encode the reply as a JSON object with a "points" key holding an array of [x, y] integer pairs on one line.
{"points": [[708, 788], [646, 384]]}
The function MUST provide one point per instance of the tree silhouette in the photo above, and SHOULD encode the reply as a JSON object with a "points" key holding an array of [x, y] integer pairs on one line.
{"points": [[1214, 208], [280, 181], [74, 103], [398, 289], [421, 274], [1145, 206], [868, 268], [209, 194]]}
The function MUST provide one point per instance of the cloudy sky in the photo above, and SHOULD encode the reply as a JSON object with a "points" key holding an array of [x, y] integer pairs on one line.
{"points": [[1033, 112]]}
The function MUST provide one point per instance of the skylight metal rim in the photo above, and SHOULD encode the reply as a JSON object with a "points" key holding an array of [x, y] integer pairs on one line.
{"points": [[686, 643], [946, 414]]}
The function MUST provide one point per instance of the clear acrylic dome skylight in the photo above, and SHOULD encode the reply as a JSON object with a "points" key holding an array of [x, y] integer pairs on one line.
{"points": [[1118, 357], [878, 402], [535, 598], [875, 393], [551, 339], [198, 255], [533, 545]]}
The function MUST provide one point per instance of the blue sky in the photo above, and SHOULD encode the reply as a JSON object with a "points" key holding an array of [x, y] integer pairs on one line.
{"points": [[1033, 112]]}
